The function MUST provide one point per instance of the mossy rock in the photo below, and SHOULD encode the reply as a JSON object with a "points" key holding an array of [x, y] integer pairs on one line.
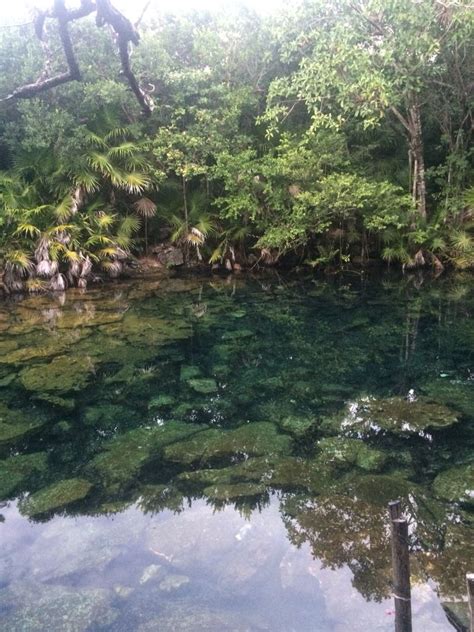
{"points": [[251, 470], [156, 498], [16, 470], [123, 376], [254, 439], [56, 496], [396, 415], [149, 330], [297, 426], [221, 371], [62, 374], [66, 403], [189, 372], [15, 425], [7, 380], [271, 472], [206, 386], [459, 395], [345, 453], [290, 472], [107, 415], [87, 318], [238, 334], [161, 401], [378, 489], [124, 456], [43, 345], [229, 491], [456, 485]]}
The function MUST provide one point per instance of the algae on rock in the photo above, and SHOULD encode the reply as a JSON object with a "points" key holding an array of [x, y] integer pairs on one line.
{"points": [[62, 374], [342, 452], [55, 496], [15, 425], [255, 439], [125, 455], [16, 470], [397, 415], [456, 484]]}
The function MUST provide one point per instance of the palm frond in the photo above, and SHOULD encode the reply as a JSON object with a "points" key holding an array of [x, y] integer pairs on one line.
{"points": [[145, 207], [29, 230], [129, 225], [101, 163], [63, 210], [87, 180], [123, 150], [135, 182]]}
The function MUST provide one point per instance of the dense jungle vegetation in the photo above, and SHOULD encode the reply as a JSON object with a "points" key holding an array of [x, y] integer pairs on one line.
{"points": [[332, 134]]}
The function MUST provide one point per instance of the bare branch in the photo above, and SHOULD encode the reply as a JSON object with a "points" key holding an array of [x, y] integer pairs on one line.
{"points": [[106, 13], [142, 14], [62, 15]]}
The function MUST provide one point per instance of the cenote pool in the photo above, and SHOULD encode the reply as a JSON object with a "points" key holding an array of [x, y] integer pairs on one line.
{"points": [[210, 455]]}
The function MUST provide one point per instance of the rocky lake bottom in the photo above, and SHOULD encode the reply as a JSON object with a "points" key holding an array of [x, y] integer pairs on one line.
{"points": [[194, 454]]}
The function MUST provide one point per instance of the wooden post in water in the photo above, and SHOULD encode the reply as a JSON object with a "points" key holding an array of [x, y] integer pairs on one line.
{"points": [[400, 568], [470, 596]]}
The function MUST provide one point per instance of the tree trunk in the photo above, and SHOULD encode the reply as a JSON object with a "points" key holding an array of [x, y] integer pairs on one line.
{"points": [[416, 157], [418, 160], [186, 224]]}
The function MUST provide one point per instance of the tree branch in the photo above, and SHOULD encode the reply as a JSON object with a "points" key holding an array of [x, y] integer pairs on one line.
{"points": [[126, 32], [106, 13]]}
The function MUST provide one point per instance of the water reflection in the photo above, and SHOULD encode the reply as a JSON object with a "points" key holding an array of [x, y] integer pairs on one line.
{"points": [[182, 455], [198, 570]]}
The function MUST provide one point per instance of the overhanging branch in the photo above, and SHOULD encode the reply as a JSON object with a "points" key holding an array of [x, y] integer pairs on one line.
{"points": [[106, 13]]}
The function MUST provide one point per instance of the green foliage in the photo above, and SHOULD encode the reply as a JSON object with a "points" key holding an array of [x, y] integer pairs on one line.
{"points": [[287, 136]]}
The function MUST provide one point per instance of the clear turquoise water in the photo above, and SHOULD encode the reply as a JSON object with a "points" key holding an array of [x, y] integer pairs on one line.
{"points": [[195, 454]]}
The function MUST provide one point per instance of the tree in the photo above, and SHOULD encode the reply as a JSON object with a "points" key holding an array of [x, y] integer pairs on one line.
{"points": [[366, 59]]}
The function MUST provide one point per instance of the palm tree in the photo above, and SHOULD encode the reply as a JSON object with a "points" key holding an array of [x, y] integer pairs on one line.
{"points": [[146, 209]]}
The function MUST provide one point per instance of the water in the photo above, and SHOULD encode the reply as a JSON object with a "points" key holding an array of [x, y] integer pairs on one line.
{"points": [[187, 454]]}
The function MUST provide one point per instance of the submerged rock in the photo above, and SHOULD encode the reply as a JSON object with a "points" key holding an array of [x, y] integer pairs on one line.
{"points": [[396, 415], [206, 386], [254, 439], [107, 415], [456, 484], [126, 454], [199, 618], [156, 498], [268, 472], [152, 571], [233, 490], [188, 372], [58, 609], [378, 489], [66, 403], [454, 393], [297, 426], [161, 401], [230, 551], [15, 425], [15, 470], [56, 496], [69, 548], [62, 374], [344, 453], [173, 582]]}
